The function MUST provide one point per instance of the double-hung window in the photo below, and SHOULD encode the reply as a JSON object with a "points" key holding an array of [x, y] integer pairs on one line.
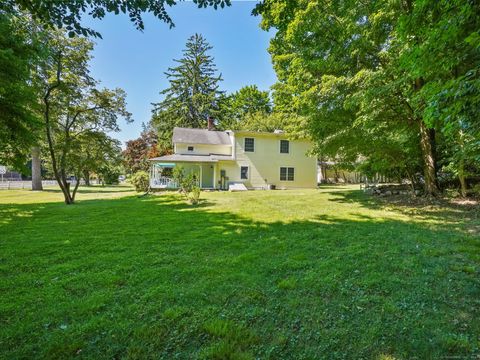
{"points": [[287, 174], [249, 145], [284, 146], [244, 172]]}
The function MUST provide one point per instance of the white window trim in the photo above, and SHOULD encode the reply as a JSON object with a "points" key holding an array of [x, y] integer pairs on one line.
{"points": [[254, 144], [280, 147], [294, 173], [248, 172]]}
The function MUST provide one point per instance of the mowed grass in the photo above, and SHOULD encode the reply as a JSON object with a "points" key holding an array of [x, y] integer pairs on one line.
{"points": [[306, 274]]}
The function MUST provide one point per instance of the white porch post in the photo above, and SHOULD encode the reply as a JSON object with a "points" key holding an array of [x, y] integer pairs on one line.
{"points": [[200, 180], [151, 173], [214, 175]]}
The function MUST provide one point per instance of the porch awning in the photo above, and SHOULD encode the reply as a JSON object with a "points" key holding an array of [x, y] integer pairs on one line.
{"points": [[174, 158]]}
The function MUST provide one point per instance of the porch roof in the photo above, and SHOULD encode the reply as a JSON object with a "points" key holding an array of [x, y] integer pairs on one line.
{"points": [[212, 158]]}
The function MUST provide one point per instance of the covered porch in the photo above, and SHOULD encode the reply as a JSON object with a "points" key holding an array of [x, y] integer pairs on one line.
{"points": [[204, 168]]}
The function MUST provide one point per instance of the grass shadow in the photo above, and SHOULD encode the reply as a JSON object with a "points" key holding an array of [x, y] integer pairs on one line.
{"points": [[94, 189], [439, 210], [154, 277]]}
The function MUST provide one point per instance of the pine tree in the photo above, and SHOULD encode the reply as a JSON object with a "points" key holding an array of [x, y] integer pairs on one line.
{"points": [[193, 94]]}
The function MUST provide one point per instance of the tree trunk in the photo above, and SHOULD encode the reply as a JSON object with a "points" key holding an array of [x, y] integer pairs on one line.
{"points": [[430, 173], [36, 169], [461, 177], [77, 183], [412, 182], [427, 145], [64, 186], [86, 177]]}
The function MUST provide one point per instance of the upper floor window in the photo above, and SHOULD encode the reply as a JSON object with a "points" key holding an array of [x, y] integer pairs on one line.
{"points": [[249, 144], [287, 174], [284, 146], [190, 148]]}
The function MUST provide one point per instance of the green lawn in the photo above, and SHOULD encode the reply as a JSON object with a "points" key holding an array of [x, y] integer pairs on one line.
{"points": [[327, 273]]}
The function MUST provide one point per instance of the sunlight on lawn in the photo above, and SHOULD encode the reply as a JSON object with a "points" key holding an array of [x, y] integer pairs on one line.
{"points": [[54, 194], [260, 274]]}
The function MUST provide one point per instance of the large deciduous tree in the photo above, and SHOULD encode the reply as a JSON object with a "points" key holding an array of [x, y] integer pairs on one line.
{"points": [[68, 14], [18, 98], [74, 109], [193, 95], [369, 75], [246, 102]]}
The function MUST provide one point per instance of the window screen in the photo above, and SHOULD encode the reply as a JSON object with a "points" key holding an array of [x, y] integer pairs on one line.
{"points": [[284, 146], [287, 174], [249, 144], [244, 172]]}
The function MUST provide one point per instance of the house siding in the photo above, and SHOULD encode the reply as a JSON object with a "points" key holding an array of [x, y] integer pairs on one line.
{"points": [[265, 162], [203, 149]]}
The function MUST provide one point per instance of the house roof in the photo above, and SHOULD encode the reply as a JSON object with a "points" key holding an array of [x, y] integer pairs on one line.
{"points": [[191, 158], [200, 136]]}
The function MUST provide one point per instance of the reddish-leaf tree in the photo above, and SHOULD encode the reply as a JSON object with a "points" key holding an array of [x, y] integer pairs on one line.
{"points": [[138, 151]]}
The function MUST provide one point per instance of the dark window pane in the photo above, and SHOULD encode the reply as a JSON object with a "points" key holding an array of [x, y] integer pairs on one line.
{"points": [[284, 146], [283, 173], [291, 174], [190, 148], [244, 172], [249, 144]]}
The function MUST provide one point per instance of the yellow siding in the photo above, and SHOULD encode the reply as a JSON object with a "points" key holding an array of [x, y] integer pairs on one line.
{"points": [[203, 149], [265, 162]]}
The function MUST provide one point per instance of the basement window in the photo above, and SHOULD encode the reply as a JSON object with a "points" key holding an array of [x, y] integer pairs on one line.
{"points": [[190, 148], [244, 172]]}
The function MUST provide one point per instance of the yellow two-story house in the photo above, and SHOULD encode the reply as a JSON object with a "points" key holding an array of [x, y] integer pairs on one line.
{"points": [[228, 159]]}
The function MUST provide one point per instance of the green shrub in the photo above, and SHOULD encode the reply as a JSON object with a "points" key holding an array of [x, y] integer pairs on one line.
{"points": [[187, 184], [475, 191], [110, 175], [140, 181], [194, 195]]}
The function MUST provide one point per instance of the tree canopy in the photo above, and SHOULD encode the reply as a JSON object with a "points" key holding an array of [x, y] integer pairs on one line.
{"points": [[18, 98], [76, 112], [373, 78], [138, 151], [246, 102], [68, 14]]}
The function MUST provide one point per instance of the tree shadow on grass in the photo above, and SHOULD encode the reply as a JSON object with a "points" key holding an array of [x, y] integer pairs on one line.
{"points": [[421, 208], [95, 189], [154, 277]]}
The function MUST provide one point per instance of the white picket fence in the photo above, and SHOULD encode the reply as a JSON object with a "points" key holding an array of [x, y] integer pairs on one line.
{"points": [[21, 184]]}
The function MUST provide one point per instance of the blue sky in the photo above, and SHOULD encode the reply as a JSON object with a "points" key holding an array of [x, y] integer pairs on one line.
{"points": [[136, 61]]}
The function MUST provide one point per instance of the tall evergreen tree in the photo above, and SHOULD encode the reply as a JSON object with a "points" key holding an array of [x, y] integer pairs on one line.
{"points": [[193, 94]]}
